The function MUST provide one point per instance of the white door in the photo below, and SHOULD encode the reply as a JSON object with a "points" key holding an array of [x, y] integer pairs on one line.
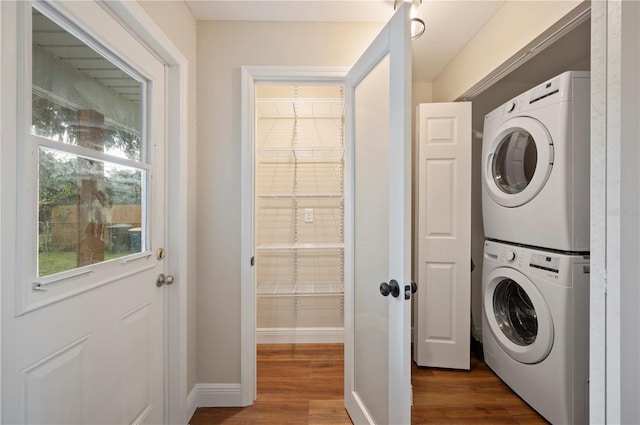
{"points": [[82, 167], [378, 229], [444, 229]]}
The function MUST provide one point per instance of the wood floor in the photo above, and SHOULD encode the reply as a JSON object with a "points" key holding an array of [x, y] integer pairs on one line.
{"points": [[303, 384]]}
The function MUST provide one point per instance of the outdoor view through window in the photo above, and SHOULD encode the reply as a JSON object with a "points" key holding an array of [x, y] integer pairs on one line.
{"points": [[87, 122]]}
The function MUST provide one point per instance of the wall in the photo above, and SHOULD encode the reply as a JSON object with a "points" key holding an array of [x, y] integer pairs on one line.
{"points": [[510, 33], [223, 47], [175, 19]]}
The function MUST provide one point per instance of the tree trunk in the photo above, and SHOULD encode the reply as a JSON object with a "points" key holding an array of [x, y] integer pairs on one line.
{"points": [[90, 200]]}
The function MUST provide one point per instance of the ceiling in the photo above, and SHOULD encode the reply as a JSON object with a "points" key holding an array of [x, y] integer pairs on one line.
{"points": [[450, 24]]}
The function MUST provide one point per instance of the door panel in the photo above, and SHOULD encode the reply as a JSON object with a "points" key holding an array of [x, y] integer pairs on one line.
{"points": [[378, 227], [444, 229], [371, 194], [83, 342]]}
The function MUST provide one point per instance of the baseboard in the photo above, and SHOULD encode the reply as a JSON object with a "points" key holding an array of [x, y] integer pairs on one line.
{"points": [[214, 395], [299, 335], [192, 402]]}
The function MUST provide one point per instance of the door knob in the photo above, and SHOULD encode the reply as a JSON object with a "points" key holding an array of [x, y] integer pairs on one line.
{"points": [[392, 288], [164, 280]]}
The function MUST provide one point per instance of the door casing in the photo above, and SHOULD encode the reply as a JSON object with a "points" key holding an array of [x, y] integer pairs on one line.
{"points": [[252, 75]]}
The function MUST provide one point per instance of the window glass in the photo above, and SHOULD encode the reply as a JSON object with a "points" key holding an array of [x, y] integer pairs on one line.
{"points": [[514, 162], [88, 211], [87, 126], [515, 313]]}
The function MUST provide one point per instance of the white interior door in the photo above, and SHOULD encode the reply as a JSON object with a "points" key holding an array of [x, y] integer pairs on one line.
{"points": [[83, 172], [378, 229], [444, 229]]}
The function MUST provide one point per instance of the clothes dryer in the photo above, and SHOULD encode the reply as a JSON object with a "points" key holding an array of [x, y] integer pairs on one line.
{"points": [[535, 327], [535, 166]]}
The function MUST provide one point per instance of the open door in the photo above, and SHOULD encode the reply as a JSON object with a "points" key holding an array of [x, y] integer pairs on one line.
{"points": [[444, 229], [378, 229]]}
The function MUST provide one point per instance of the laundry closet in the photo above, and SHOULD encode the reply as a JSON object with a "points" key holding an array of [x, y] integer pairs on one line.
{"points": [[570, 52], [299, 213], [532, 312]]}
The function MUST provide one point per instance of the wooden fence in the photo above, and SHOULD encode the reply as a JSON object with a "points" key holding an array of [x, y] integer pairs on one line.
{"points": [[61, 233]]}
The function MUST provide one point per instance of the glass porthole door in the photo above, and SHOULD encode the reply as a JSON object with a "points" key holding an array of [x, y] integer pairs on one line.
{"points": [[518, 162], [518, 316]]}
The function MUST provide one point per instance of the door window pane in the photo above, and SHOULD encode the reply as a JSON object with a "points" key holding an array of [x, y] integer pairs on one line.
{"points": [[88, 211], [514, 162], [76, 89], [87, 126]]}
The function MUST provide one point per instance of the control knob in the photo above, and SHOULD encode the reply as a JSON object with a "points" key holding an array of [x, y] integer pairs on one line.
{"points": [[510, 256]]}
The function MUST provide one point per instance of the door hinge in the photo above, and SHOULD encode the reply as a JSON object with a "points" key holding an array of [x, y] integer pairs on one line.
{"points": [[253, 261]]}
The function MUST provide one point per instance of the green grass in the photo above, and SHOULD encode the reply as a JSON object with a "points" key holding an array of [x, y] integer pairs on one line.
{"points": [[59, 261]]}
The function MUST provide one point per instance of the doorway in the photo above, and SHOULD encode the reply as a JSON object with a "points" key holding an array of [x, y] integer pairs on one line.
{"points": [[299, 213], [292, 197]]}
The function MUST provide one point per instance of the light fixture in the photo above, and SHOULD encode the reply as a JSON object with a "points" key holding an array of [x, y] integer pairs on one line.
{"points": [[417, 25]]}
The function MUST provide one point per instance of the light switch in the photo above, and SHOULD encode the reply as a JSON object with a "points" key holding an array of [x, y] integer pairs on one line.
{"points": [[308, 215]]}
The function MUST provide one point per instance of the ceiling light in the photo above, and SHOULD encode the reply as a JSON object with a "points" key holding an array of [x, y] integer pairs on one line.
{"points": [[417, 25], [417, 28]]}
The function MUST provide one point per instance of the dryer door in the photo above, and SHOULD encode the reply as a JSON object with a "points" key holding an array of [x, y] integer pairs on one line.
{"points": [[518, 161], [518, 316]]}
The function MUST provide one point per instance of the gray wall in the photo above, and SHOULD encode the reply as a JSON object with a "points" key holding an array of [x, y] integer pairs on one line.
{"points": [[223, 47]]}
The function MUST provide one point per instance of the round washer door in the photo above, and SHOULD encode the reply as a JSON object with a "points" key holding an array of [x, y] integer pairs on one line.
{"points": [[518, 161], [518, 316]]}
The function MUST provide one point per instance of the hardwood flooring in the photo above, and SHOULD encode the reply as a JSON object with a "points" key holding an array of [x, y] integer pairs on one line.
{"points": [[303, 384]]}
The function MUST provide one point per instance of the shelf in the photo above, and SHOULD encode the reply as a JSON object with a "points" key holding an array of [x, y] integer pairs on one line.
{"points": [[337, 197], [300, 108], [300, 247], [301, 154], [300, 289]]}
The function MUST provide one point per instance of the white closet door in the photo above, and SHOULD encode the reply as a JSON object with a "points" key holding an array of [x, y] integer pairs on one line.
{"points": [[444, 228]]}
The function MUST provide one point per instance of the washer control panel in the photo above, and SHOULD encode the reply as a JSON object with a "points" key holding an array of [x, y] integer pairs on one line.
{"points": [[545, 262]]}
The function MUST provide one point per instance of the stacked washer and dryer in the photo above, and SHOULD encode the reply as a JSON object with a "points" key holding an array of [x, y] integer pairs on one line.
{"points": [[535, 281]]}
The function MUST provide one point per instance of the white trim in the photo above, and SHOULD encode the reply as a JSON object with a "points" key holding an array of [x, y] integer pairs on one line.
{"points": [[2, 253], [597, 310], [215, 395], [299, 335], [250, 75], [139, 24], [192, 402]]}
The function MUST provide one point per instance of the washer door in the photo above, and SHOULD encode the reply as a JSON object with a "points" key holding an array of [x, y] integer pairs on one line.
{"points": [[518, 316], [518, 161]]}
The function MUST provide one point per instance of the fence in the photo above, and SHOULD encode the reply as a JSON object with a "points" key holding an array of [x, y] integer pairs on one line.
{"points": [[61, 233]]}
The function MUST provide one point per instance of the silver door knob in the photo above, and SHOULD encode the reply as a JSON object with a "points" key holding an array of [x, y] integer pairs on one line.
{"points": [[164, 280]]}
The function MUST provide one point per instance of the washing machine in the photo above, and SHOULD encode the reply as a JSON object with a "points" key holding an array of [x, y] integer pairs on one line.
{"points": [[535, 166], [535, 327]]}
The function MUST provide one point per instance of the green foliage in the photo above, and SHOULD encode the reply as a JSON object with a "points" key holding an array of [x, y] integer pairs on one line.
{"points": [[58, 182], [123, 187], [59, 172]]}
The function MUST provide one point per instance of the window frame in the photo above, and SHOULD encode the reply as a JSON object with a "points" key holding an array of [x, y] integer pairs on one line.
{"points": [[34, 292]]}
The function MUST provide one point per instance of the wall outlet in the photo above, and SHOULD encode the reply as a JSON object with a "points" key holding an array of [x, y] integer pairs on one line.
{"points": [[308, 215]]}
